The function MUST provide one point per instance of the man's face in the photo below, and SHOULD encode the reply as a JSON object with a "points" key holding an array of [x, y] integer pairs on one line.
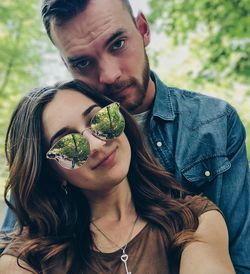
{"points": [[103, 47]]}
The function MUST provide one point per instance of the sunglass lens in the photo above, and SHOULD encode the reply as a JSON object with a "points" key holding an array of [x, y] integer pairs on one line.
{"points": [[71, 151], [108, 122]]}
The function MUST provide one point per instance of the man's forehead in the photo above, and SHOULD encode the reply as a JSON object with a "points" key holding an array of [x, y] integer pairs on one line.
{"points": [[102, 11], [70, 42], [86, 28]]}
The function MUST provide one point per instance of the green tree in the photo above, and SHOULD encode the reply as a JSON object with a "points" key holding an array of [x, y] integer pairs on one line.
{"points": [[22, 43], [218, 31]]}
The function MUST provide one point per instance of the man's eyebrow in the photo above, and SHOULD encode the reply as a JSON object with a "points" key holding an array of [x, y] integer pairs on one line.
{"points": [[75, 59], [114, 35]]}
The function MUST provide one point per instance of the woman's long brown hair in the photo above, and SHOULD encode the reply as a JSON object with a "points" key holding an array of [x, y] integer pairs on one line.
{"points": [[57, 226]]}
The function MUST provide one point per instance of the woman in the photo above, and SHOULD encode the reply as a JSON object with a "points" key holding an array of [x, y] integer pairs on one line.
{"points": [[90, 199]]}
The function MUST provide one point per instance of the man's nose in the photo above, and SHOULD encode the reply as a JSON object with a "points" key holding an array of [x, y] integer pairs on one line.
{"points": [[109, 71]]}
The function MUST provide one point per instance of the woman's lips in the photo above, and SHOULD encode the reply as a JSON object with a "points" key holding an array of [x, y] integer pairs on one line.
{"points": [[107, 161]]}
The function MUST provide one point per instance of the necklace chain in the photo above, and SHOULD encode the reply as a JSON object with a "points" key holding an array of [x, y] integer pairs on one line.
{"points": [[123, 248], [124, 256]]}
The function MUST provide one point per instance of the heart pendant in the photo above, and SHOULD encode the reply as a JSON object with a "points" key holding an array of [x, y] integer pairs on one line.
{"points": [[124, 257]]}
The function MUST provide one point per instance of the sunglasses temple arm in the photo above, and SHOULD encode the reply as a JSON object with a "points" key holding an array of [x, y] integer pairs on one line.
{"points": [[110, 120]]}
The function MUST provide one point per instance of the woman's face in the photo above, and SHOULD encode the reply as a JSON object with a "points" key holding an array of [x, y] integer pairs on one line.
{"points": [[108, 161]]}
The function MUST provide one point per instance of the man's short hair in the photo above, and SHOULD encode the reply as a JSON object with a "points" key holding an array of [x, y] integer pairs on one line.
{"points": [[61, 11]]}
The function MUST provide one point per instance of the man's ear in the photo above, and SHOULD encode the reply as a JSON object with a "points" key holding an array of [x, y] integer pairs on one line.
{"points": [[143, 27]]}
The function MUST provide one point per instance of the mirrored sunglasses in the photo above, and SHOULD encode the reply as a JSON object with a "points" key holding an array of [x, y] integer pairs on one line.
{"points": [[72, 150]]}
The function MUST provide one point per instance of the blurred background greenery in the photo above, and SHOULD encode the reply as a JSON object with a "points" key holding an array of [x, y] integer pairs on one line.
{"points": [[198, 45]]}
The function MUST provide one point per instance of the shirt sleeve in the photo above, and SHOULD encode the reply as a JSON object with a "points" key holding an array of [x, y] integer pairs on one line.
{"points": [[200, 204]]}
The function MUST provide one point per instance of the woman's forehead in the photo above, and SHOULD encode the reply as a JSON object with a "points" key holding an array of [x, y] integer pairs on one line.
{"points": [[68, 100], [66, 108]]}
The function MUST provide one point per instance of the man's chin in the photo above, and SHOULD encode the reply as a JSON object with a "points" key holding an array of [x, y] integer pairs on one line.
{"points": [[129, 98], [130, 106]]}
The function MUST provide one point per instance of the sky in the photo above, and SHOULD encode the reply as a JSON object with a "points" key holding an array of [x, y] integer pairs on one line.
{"points": [[138, 5]]}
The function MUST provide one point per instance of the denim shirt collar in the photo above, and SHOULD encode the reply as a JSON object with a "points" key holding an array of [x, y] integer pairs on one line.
{"points": [[163, 107]]}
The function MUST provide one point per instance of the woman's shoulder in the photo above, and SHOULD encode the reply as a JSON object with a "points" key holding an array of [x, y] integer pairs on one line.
{"points": [[200, 204], [10, 260], [13, 260], [10, 264], [14, 244]]}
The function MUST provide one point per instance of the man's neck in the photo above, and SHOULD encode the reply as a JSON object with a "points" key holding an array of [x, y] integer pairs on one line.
{"points": [[149, 98]]}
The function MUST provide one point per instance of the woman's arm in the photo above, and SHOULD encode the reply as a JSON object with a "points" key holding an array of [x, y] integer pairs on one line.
{"points": [[210, 253], [8, 264]]}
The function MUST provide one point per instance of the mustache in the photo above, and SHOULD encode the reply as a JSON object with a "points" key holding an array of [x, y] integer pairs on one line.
{"points": [[119, 86]]}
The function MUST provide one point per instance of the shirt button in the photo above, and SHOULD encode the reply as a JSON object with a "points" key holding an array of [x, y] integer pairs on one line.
{"points": [[159, 144], [207, 173]]}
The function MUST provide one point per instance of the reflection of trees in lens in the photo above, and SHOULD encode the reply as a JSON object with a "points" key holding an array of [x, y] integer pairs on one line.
{"points": [[72, 147], [108, 122]]}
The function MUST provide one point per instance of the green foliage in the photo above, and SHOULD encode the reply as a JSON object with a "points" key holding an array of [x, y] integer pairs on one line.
{"points": [[217, 31], [22, 44]]}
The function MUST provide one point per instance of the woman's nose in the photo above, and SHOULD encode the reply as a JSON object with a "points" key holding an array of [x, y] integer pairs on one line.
{"points": [[95, 144]]}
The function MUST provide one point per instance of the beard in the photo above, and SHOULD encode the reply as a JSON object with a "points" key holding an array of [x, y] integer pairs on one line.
{"points": [[139, 89]]}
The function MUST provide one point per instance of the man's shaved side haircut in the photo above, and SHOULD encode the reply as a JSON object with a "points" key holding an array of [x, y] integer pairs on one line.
{"points": [[61, 11]]}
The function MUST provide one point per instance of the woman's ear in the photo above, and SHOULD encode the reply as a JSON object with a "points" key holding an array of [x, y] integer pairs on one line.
{"points": [[143, 27], [64, 187]]}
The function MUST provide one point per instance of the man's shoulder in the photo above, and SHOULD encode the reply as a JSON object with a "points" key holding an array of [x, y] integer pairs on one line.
{"points": [[188, 98], [194, 107], [191, 105]]}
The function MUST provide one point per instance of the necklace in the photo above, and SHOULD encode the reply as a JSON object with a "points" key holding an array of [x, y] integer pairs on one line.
{"points": [[124, 256]]}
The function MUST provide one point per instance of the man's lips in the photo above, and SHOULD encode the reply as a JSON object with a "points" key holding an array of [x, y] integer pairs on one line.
{"points": [[116, 92], [106, 160]]}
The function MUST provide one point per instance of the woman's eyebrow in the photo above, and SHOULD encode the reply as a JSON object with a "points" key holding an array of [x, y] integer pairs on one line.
{"points": [[89, 109], [64, 130], [60, 132]]}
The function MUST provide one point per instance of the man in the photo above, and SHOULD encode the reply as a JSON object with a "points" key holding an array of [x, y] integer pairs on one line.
{"points": [[198, 138]]}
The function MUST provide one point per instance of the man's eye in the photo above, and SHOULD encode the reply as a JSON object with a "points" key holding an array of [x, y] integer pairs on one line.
{"points": [[118, 45], [82, 64]]}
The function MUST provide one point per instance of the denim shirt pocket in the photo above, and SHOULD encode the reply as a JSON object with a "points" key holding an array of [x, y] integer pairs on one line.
{"points": [[206, 170]]}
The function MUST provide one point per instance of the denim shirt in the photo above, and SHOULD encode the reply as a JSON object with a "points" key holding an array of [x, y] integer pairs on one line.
{"points": [[201, 140]]}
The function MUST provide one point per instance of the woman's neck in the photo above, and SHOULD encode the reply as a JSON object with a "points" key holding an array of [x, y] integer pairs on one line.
{"points": [[113, 205], [114, 219]]}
